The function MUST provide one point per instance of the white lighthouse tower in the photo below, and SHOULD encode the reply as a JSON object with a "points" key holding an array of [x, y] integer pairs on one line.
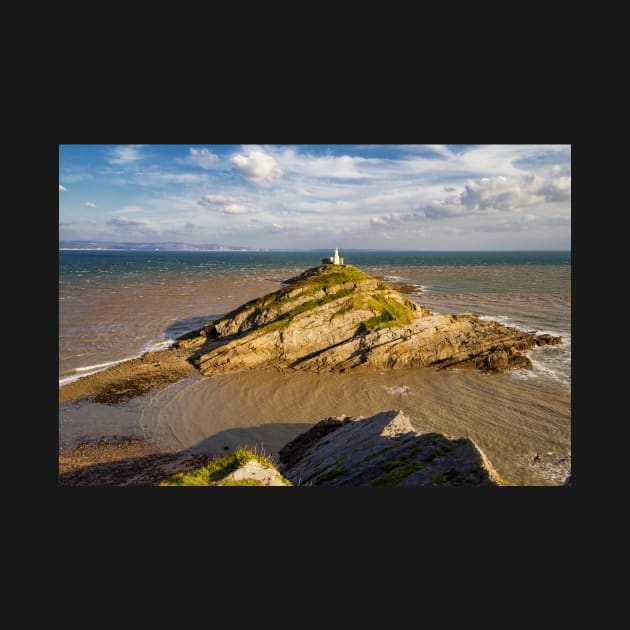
{"points": [[333, 260]]}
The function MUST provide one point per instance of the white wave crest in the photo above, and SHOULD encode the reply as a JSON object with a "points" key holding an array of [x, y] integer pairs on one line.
{"points": [[397, 389]]}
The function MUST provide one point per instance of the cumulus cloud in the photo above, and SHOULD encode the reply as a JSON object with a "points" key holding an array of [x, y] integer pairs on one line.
{"points": [[557, 189], [224, 203], [449, 189], [500, 193], [203, 158], [125, 154], [63, 188], [489, 195], [257, 166], [507, 193], [89, 204], [441, 209]]}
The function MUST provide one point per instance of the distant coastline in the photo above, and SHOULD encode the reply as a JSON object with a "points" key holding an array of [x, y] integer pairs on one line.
{"points": [[66, 245], [169, 246]]}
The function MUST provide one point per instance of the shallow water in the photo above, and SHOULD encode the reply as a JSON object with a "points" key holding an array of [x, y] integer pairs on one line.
{"points": [[510, 419], [121, 311]]}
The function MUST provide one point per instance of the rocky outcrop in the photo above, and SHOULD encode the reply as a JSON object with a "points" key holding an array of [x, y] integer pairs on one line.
{"points": [[383, 450], [329, 318], [333, 318]]}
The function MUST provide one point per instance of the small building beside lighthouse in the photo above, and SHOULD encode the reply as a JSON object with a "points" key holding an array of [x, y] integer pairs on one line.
{"points": [[335, 259]]}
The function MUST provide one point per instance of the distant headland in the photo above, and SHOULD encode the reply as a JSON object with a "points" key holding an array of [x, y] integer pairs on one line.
{"points": [[161, 246]]}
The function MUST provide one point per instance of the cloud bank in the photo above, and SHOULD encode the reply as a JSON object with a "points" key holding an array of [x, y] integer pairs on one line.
{"points": [[285, 196]]}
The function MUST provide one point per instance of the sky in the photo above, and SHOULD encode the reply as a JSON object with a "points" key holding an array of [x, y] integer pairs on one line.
{"points": [[413, 197]]}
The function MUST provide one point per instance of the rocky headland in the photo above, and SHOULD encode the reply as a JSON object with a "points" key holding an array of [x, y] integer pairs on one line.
{"points": [[337, 318], [329, 318]]}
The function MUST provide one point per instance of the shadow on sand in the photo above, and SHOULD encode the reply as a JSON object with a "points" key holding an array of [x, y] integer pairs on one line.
{"points": [[152, 468]]}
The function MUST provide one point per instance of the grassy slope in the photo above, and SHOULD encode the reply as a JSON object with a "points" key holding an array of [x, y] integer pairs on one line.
{"points": [[322, 277], [215, 472], [389, 312]]}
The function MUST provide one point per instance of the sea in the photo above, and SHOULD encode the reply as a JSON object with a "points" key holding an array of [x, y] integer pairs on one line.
{"points": [[115, 305]]}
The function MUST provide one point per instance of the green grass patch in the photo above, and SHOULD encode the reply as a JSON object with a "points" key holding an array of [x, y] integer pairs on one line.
{"points": [[217, 470], [307, 306], [322, 278], [390, 313], [286, 318]]}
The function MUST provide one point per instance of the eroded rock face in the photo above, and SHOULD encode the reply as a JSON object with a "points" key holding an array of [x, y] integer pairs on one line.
{"points": [[338, 318], [382, 450]]}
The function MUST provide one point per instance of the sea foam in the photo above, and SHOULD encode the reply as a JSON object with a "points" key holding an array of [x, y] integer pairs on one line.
{"points": [[88, 370]]}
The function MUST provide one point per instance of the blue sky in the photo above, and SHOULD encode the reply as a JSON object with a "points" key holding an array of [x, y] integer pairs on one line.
{"points": [[425, 197]]}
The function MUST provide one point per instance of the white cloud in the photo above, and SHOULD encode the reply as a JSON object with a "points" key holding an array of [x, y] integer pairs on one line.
{"points": [[63, 188], [507, 193], [125, 154], [224, 203], [489, 195], [132, 227], [167, 177], [328, 166], [203, 158], [89, 204], [257, 166], [379, 220]]}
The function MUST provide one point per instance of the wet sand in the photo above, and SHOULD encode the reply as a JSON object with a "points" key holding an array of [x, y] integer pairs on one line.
{"points": [[134, 377]]}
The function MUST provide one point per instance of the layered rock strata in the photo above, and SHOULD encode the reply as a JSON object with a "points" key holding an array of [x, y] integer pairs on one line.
{"points": [[382, 450], [337, 319]]}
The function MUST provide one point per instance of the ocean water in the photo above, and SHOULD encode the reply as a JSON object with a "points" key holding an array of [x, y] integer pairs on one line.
{"points": [[116, 305]]}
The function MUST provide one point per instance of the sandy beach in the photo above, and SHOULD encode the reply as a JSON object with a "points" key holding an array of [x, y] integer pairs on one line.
{"points": [[130, 378]]}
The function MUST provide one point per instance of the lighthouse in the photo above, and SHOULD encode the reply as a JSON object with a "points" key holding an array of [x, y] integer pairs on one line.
{"points": [[336, 259]]}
